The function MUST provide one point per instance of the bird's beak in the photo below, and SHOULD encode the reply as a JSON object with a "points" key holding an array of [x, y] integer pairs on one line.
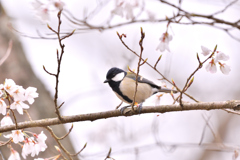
{"points": [[106, 81]]}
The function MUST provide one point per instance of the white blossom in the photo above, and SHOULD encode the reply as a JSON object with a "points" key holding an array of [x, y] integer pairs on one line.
{"points": [[42, 11], [221, 56], [41, 138], [6, 121], [36, 149], [164, 42], [205, 51], [28, 147], [125, 8], [30, 94], [211, 66], [14, 155], [225, 69], [19, 105], [18, 93], [9, 85], [16, 135]]}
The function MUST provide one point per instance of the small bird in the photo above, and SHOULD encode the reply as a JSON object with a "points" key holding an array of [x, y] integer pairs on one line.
{"points": [[124, 83]]}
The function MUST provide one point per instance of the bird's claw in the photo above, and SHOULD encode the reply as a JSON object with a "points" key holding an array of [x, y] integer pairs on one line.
{"points": [[124, 111], [123, 108]]}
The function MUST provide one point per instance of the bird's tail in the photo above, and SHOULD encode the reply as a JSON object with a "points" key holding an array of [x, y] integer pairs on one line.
{"points": [[166, 90]]}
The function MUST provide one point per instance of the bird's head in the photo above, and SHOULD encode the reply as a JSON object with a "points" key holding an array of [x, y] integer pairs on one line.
{"points": [[115, 75]]}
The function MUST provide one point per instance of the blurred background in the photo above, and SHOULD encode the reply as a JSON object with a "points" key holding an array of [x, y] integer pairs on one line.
{"points": [[87, 58]]}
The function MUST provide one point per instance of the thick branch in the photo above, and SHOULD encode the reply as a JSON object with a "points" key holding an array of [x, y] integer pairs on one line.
{"points": [[233, 104]]}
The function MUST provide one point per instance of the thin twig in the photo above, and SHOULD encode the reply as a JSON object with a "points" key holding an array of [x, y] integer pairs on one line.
{"points": [[3, 59], [58, 142], [69, 131], [59, 60], [73, 155], [15, 119], [138, 67]]}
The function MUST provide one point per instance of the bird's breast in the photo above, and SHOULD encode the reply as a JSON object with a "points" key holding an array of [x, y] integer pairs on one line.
{"points": [[127, 87]]}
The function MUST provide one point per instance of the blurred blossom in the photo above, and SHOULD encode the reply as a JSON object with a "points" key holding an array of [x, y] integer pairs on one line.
{"points": [[164, 42], [221, 56], [124, 8], [205, 51], [42, 10], [58, 4]]}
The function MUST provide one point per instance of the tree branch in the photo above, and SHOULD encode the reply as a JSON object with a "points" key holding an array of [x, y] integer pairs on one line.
{"points": [[233, 104]]}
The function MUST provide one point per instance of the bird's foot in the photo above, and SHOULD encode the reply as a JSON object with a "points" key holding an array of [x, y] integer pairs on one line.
{"points": [[124, 111], [127, 109]]}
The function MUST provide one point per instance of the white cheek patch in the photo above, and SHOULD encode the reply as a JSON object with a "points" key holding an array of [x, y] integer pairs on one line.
{"points": [[118, 77]]}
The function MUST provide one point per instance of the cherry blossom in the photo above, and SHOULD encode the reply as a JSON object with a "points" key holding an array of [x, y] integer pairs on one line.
{"points": [[164, 42], [125, 8], [14, 155], [27, 147], [9, 85], [19, 105], [36, 149], [216, 57], [30, 94], [211, 66], [16, 135], [224, 68], [221, 56], [18, 93], [6, 121], [41, 10], [3, 107], [205, 51], [41, 138]]}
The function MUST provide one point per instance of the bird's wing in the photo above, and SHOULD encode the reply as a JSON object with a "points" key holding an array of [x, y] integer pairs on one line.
{"points": [[141, 80]]}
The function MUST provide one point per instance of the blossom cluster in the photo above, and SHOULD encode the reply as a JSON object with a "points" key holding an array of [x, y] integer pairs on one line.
{"points": [[42, 10], [216, 58], [31, 145], [13, 97]]}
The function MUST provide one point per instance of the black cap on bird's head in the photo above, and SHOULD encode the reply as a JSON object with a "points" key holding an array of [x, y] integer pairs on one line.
{"points": [[115, 74]]}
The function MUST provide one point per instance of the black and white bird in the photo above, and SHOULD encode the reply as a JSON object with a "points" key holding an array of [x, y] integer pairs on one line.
{"points": [[124, 83]]}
